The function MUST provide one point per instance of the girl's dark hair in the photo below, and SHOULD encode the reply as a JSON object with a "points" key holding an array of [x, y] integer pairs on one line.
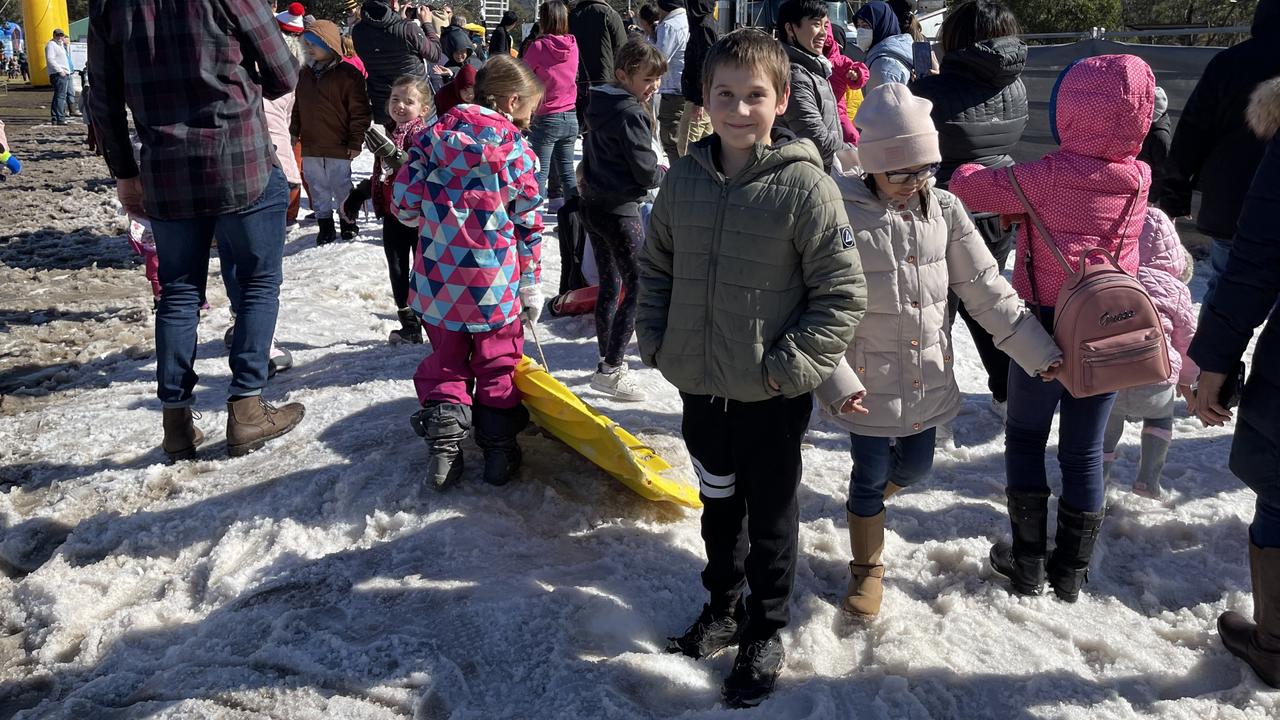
{"points": [[553, 18], [794, 12], [649, 14], [870, 181], [974, 21]]}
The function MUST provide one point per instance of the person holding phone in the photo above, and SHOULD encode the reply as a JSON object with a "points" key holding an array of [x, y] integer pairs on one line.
{"points": [[1245, 298], [888, 50]]}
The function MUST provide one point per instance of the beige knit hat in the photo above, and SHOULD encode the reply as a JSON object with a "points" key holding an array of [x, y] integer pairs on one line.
{"points": [[897, 132]]}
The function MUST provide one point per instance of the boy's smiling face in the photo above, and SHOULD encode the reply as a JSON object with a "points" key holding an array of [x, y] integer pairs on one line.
{"points": [[743, 105]]}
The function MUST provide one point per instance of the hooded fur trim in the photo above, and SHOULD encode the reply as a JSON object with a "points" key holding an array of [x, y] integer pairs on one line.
{"points": [[1264, 109]]}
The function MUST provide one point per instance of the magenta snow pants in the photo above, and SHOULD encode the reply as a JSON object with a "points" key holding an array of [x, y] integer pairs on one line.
{"points": [[459, 358]]}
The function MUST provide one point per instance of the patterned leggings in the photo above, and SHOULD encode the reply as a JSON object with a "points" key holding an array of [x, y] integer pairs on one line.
{"points": [[615, 239]]}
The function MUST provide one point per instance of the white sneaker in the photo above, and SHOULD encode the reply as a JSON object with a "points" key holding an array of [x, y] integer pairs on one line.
{"points": [[619, 384]]}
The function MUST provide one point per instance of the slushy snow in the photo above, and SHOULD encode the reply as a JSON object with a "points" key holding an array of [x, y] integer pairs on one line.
{"points": [[318, 578]]}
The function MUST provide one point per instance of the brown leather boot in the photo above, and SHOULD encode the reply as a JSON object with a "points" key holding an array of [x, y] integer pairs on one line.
{"points": [[866, 583], [181, 436], [251, 422], [1258, 643]]}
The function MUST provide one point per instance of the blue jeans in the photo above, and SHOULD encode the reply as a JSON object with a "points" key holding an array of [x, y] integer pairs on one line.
{"points": [[58, 107], [879, 460], [1032, 404], [253, 242], [1219, 251], [553, 137]]}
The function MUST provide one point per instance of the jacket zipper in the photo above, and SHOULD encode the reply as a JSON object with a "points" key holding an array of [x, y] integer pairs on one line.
{"points": [[712, 261], [1126, 356]]}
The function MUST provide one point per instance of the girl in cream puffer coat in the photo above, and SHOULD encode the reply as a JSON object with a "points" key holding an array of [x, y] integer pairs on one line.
{"points": [[897, 383]]}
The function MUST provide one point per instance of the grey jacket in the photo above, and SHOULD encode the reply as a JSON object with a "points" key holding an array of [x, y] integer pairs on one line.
{"points": [[812, 112], [901, 355], [749, 278]]}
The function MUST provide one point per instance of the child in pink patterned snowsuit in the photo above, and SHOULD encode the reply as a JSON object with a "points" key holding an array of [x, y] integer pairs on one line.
{"points": [[471, 189], [846, 74], [1164, 271]]}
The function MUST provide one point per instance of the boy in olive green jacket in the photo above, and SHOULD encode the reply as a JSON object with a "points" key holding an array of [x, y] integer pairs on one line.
{"points": [[750, 290]]}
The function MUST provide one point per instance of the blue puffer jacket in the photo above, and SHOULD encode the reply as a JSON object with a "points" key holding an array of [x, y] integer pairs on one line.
{"points": [[889, 61], [1244, 298]]}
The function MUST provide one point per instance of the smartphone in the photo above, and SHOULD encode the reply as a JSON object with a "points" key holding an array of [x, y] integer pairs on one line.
{"points": [[922, 57], [1232, 388]]}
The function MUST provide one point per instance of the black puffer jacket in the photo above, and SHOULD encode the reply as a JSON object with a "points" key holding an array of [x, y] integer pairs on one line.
{"points": [[389, 46], [1243, 300], [599, 31], [621, 164], [702, 35], [1155, 148], [979, 103], [1213, 151]]}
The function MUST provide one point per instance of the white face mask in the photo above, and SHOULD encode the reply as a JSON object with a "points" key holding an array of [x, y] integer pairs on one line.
{"points": [[864, 39]]}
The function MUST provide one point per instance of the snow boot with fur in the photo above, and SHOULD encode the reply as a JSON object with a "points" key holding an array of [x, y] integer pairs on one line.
{"points": [[1068, 566], [327, 233], [496, 430], [181, 436], [866, 574], [410, 328], [444, 426], [1023, 560], [755, 671], [1258, 642], [713, 631], [251, 422]]}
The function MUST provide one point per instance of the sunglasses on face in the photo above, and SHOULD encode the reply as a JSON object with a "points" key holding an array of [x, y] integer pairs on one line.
{"points": [[902, 177]]}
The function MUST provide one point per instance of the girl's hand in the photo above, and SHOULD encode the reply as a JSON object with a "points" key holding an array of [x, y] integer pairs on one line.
{"points": [[1053, 372], [1186, 392], [854, 404]]}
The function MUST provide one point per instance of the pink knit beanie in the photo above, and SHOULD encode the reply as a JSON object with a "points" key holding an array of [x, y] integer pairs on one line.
{"points": [[897, 132]]}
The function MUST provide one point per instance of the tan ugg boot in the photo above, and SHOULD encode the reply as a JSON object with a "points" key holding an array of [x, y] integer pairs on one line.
{"points": [[1258, 644], [866, 574], [891, 489], [251, 422], [181, 436]]}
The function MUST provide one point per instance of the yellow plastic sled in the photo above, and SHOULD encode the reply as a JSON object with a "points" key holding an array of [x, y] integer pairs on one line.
{"points": [[597, 438]]}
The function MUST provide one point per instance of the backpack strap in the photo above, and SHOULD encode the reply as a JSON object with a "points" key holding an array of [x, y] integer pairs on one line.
{"points": [[1037, 223]]}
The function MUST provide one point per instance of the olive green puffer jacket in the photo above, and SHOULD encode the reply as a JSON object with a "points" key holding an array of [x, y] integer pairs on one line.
{"points": [[749, 278]]}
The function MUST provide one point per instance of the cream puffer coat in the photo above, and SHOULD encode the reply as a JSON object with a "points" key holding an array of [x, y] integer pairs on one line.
{"points": [[901, 353]]}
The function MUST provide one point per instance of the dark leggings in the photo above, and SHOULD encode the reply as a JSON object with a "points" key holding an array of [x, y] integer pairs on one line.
{"points": [[615, 239], [398, 242]]}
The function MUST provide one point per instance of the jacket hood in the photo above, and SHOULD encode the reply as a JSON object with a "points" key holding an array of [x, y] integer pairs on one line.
{"points": [[1264, 109], [1101, 106], [1266, 19], [327, 33], [607, 102], [1161, 106], [897, 47], [472, 141], [784, 148], [557, 46], [454, 39], [1159, 247], [815, 64], [883, 21], [378, 12], [997, 62]]}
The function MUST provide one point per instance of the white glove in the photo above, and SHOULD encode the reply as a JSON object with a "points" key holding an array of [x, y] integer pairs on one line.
{"points": [[531, 299]]}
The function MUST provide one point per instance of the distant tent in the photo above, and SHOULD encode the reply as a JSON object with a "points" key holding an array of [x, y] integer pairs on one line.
{"points": [[79, 30]]}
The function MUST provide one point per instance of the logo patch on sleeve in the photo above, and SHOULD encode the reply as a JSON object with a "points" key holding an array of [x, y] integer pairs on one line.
{"points": [[846, 237]]}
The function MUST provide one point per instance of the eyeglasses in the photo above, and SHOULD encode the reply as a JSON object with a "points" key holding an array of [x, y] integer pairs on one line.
{"points": [[904, 177]]}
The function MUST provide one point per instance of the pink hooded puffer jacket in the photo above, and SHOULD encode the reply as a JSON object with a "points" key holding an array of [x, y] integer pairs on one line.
{"points": [[841, 66], [1092, 191], [1163, 262]]}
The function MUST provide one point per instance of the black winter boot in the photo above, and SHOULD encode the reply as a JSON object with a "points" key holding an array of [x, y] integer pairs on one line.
{"points": [[410, 328], [755, 671], [1023, 560], [349, 230], [496, 430], [444, 426], [712, 632], [1068, 567], [327, 233]]}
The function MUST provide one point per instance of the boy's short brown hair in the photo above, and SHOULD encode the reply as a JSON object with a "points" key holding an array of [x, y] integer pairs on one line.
{"points": [[748, 48]]}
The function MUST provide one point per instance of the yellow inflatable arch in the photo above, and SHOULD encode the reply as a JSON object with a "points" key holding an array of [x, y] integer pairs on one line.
{"points": [[40, 17]]}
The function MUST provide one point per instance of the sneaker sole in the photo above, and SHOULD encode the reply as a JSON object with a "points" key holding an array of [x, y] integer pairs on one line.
{"points": [[613, 392], [246, 448]]}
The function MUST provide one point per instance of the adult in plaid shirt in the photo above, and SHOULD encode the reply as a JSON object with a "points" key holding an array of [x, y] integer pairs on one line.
{"points": [[194, 75]]}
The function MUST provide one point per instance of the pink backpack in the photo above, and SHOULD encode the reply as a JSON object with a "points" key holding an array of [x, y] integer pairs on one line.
{"points": [[1104, 321]]}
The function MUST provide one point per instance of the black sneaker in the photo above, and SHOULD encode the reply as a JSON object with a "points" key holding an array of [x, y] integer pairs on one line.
{"points": [[709, 634], [754, 673]]}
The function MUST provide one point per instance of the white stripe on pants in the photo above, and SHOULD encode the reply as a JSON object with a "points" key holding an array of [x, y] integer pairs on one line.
{"points": [[329, 183]]}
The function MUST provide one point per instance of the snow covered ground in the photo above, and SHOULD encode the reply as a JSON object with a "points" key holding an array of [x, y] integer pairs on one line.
{"points": [[318, 579]]}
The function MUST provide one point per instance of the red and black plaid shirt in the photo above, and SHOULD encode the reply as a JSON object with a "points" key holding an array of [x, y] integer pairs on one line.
{"points": [[194, 74]]}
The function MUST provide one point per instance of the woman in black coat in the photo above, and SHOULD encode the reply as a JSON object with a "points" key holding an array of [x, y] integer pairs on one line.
{"points": [[500, 39], [1246, 297], [980, 111]]}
